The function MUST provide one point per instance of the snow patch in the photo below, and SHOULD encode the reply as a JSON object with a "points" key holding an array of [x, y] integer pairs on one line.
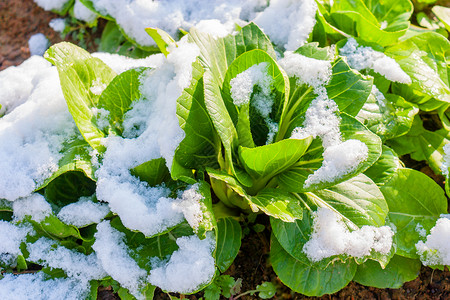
{"points": [[189, 267], [436, 249], [83, 213], [331, 237], [51, 4], [11, 236], [34, 206], [360, 58], [57, 24], [81, 12], [242, 85]]}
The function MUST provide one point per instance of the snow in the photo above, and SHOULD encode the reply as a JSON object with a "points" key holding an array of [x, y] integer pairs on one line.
{"points": [[11, 236], [189, 204], [57, 24], [339, 160], [295, 20], [120, 63], [242, 85], [360, 58], [313, 72], [83, 213], [33, 130], [81, 12], [420, 230], [113, 254], [51, 4], [38, 44], [97, 87], [189, 267], [147, 209], [34, 206], [445, 160], [322, 120], [37, 287], [436, 249], [331, 236], [48, 253]]}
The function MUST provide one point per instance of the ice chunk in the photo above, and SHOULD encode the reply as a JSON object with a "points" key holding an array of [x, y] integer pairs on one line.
{"points": [[38, 44]]}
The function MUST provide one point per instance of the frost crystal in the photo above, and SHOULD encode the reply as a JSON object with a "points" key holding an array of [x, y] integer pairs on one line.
{"points": [[331, 237], [436, 249], [359, 57], [188, 267]]}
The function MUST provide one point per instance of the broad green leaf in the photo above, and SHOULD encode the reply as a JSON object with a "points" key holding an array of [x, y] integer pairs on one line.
{"points": [[229, 235], [358, 200], [76, 157], [68, 188], [154, 172], [118, 96], [161, 38], [64, 9], [394, 15], [270, 160], [249, 122], [278, 204], [293, 179], [80, 74], [392, 118], [200, 146], [216, 55], [113, 41], [347, 87], [443, 14], [413, 198], [53, 228], [424, 58], [422, 144], [385, 167], [308, 278], [397, 272]]}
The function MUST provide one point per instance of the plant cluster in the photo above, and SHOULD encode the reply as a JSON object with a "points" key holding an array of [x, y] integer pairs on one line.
{"points": [[145, 171]]}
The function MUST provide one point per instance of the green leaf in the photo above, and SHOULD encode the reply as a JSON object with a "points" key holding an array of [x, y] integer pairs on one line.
{"points": [[208, 221], [68, 188], [394, 117], [278, 204], [443, 14], [385, 167], [216, 55], [161, 38], [398, 271], [266, 290], [113, 41], [200, 146], [251, 125], [293, 179], [308, 278], [422, 144], [270, 160], [424, 58], [53, 228], [358, 200], [154, 171], [76, 156], [118, 96], [229, 236], [79, 72], [212, 292], [413, 198]]}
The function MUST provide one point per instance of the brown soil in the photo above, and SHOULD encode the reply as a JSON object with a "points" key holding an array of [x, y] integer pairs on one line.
{"points": [[19, 19]]}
